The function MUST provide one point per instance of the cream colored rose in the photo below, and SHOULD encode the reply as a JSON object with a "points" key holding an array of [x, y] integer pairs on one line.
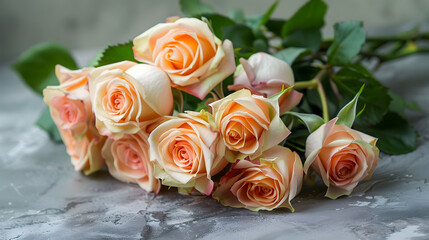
{"points": [[124, 96], [341, 156], [70, 108], [128, 160], [266, 75], [187, 152], [249, 124], [192, 56], [269, 182]]}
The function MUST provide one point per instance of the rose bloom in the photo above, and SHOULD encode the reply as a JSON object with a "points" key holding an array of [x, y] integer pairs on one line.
{"points": [[187, 152], [70, 108], [269, 182], [266, 75], [126, 94], [186, 49], [341, 156], [249, 124], [128, 160]]}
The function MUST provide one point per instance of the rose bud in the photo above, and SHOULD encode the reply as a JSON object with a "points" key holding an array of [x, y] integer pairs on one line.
{"points": [[249, 124], [266, 75], [126, 94], [70, 108], [341, 156], [269, 182], [187, 152], [186, 49]]}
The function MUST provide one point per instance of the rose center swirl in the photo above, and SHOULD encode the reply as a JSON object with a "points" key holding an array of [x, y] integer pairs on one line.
{"points": [[183, 155]]}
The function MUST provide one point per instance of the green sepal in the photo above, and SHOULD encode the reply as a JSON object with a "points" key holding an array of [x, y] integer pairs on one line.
{"points": [[346, 116]]}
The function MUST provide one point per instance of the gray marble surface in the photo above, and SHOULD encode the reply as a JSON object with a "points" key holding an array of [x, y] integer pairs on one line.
{"points": [[42, 197]]}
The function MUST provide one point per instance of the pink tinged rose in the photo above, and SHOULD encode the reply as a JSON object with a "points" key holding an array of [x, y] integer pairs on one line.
{"points": [[128, 160], [85, 152], [341, 156], [126, 94], [249, 124], [70, 112], [70, 108], [266, 75], [267, 183], [186, 49], [187, 152]]}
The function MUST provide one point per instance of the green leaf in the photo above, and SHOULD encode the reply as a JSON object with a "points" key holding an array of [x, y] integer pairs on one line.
{"points": [[305, 38], [413, 106], [311, 121], [36, 66], [348, 40], [241, 36], [296, 140], [395, 135], [263, 19], [398, 104], [218, 22], [46, 123], [116, 53], [346, 116], [238, 16], [290, 54], [376, 98], [275, 26], [192, 103], [260, 45], [311, 15], [303, 71], [194, 7]]}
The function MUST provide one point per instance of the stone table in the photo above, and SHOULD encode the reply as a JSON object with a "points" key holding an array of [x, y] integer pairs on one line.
{"points": [[42, 197]]}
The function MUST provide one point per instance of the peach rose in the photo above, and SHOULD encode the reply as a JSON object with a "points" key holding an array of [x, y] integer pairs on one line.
{"points": [[341, 156], [128, 160], [70, 108], [85, 152], [269, 182], [187, 152], [125, 94], [249, 124], [266, 75], [192, 56]]}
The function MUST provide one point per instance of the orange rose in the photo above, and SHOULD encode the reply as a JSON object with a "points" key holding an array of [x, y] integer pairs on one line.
{"points": [[269, 182], [70, 108], [341, 156], [249, 124], [187, 152], [126, 94], [192, 56], [128, 160]]}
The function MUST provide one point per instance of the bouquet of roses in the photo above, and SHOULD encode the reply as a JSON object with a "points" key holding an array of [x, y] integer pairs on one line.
{"points": [[235, 108]]}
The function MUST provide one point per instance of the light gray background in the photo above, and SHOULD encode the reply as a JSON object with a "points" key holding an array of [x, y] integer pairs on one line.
{"points": [[93, 24]]}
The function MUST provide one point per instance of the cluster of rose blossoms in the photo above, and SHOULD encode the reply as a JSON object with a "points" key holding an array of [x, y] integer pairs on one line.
{"points": [[121, 115]]}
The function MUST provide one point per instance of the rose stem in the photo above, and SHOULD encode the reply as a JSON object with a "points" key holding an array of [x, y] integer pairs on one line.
{"points": [[322, 95], [316, 82], [305, 84]]}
